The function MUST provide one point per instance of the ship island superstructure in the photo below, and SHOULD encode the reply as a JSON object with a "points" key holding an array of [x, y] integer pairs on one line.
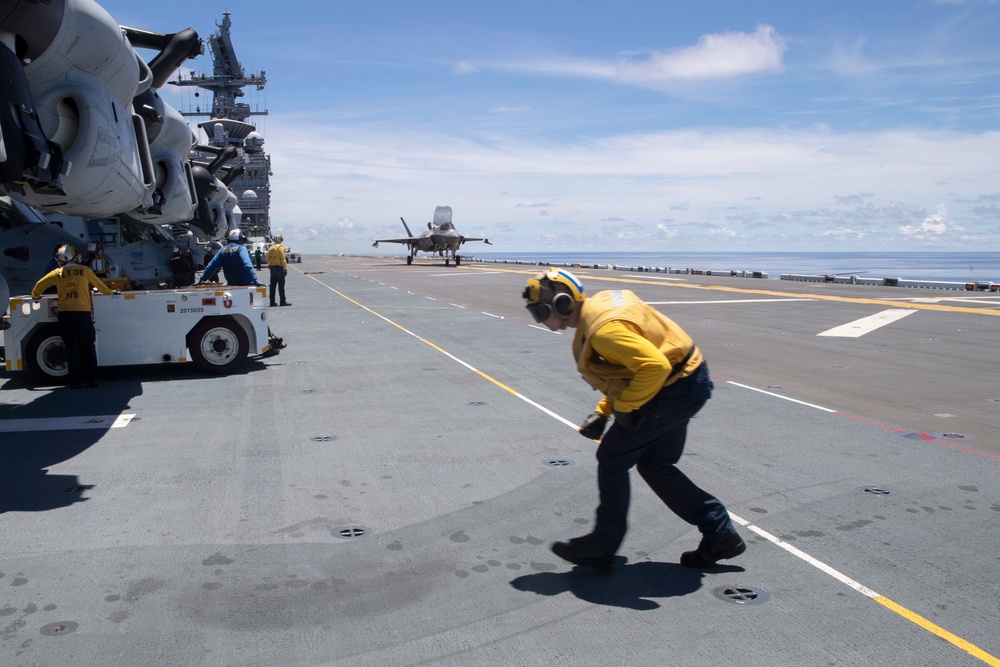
{"points": [[228, 127]]}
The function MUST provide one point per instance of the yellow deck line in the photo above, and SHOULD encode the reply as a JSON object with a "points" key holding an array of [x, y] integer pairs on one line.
{"points": [[955, 640], [746, 290]]}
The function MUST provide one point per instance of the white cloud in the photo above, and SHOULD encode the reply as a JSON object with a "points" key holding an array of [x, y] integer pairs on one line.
{"points": [[714, 57], [843, 233], [934, 227], [665, 232], [724, 232]]}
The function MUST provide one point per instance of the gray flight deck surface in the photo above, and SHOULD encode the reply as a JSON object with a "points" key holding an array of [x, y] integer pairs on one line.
{"points": [[420, 409]]}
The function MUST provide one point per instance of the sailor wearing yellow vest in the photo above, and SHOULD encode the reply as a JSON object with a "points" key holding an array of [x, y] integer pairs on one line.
{"points": [[653, 379], [76, 322], [278, 267]]}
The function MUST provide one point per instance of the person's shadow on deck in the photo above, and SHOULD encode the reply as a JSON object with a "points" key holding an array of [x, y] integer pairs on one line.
{"points": [[631, 586], [28, 449]]}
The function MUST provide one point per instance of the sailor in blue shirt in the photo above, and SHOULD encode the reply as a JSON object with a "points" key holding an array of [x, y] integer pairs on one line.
{"points": [[234, 260]]}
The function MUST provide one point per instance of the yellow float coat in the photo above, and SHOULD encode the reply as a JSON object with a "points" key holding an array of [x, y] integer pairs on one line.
{"points": [[627, 350]]}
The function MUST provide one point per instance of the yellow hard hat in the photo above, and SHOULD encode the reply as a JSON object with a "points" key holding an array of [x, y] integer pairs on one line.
{"points": [[555, 290]]}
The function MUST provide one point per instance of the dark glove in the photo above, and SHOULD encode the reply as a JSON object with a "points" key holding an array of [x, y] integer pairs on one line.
{"points": [[627, 420], [593, 426]]}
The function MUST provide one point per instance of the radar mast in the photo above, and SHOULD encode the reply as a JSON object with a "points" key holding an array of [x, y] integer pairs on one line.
{"points": [[228, 126]]}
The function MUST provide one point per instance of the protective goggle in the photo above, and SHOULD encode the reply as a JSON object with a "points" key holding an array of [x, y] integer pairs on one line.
{"points": [[533, 294], [539, 311]]}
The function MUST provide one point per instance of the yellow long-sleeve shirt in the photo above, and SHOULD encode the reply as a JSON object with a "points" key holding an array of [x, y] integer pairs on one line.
{"points": [[628, 350], [73, 283], [276, 256], [620, 343]]}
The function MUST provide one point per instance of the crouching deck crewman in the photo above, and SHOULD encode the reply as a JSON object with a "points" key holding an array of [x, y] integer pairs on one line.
{"points": [[653, 380]]}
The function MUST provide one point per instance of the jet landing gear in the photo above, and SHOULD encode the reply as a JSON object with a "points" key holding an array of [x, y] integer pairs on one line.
{"points": [[409, 260]]}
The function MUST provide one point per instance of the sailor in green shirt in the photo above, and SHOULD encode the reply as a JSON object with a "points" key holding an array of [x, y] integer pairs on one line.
{"points": [[653, 380], [76, 320]]}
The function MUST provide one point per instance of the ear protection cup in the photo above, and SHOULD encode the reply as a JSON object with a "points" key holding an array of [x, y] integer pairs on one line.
{"points": [[562, 304]]}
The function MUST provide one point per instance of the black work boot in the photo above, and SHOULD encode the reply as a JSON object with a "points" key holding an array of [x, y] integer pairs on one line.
{"points": [[583, 551], [709, 552]]}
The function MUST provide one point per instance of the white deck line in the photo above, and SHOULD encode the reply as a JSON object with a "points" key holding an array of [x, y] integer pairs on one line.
{"points": [[65, 423], [859, 328]]}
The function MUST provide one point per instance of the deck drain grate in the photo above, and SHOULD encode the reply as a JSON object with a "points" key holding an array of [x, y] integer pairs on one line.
{"points": [[351, 532], [877, 491], [746, 595], [951, 436], [59, 628], [323, 438], [477, 404], [558, 463]]}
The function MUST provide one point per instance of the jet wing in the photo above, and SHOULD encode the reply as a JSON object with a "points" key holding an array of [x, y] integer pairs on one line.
{"points": [[409, 240], [466, 238]]}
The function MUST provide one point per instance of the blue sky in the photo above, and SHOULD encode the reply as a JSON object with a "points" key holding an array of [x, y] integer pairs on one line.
{"points": [[656, 126]]}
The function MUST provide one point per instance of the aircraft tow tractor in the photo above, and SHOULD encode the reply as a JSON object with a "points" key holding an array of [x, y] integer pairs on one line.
{"points": [[215, 327]]}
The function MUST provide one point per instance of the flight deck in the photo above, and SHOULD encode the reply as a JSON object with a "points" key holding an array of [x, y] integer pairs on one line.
{"points": [[385, 490]]}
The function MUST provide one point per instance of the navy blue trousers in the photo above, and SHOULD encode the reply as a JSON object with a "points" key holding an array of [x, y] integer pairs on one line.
{"points": [[654, 446], [277, 283], [79, 336]]}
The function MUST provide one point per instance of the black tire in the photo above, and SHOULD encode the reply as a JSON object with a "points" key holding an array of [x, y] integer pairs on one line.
{"points": [[409, 260], [45, 355], [218, 345], [458, 260]]}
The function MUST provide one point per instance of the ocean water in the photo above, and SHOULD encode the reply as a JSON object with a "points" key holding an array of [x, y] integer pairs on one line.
{"points": [[944, 266]]}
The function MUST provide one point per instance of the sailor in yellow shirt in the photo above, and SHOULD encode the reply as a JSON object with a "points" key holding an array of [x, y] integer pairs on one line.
{"points": [[278, 267], [76, 321], [653, 379]]}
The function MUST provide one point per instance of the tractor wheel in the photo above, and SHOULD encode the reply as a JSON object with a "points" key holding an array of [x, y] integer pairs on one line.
{"points": [[218, 345], [45, 355]]}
